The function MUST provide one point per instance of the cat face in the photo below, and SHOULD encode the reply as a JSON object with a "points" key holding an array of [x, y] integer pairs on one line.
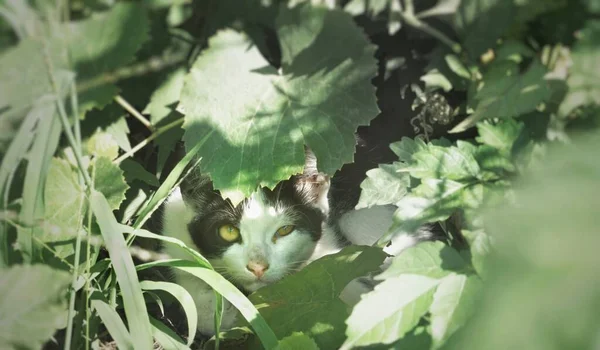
{"points": [[259, 241]]}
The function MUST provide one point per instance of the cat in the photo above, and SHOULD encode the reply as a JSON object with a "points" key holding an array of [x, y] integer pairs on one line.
{"points": [[271, 234], [267, 236]]}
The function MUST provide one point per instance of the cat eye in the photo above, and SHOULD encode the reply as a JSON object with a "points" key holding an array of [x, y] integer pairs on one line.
{"points": [[285, 230], [229, 233]]}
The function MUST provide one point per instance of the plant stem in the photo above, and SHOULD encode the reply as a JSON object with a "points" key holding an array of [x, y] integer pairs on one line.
{"points": [[149, 139], [408, 16], [153, 64], [134, 112]]}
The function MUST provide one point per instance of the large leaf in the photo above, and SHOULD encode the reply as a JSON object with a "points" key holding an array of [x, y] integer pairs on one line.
{"points": [[431, 201], [312, 296], [383, 185], [165, 97], [509, 96], [33, 305], [431, 259], [390, 311], [584, 75], [453, 305], [261, 119], [95, 46]]}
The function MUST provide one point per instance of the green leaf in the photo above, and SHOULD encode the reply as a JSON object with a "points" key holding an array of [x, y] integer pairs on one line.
{"points": [[509, 96], [119, 131], [102, 144], [261, 119], [391, 310], [312, 295], [135, 171], [133, 300], [109, 180], [64, 204], [457, 66], [407, 147], [97, 45], [433, 200], [434, 80], [297, 341], [185, 300], [383, 185], [450, 163], [481, 22], [33, 305], [480, 245], [453, 305], [583, 81], [165, 97], [113, 323], [430, 259], [501, 136]]}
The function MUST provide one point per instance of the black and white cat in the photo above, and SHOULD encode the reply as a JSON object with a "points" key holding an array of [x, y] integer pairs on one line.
{"points": [[271, 234]]}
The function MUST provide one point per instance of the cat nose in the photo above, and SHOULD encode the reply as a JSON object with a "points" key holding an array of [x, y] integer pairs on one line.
{"points": [[257, 268]]}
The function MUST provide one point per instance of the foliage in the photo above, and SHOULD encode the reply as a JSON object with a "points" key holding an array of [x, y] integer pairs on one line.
{"points": [[502, 94]]}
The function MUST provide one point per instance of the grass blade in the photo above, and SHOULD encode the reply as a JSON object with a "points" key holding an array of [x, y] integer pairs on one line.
{"points": [[183, 297], [114, 324], [167, 186], [133, 300], [165, 336], [147, 234], [229, 291]]}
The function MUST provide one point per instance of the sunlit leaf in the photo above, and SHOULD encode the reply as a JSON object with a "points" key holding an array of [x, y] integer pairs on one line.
{"points": [[261, 119], [431, 259], [390, 311], [501, 135], [33, 305], [166, 96], [383, 185], [453, 305]]}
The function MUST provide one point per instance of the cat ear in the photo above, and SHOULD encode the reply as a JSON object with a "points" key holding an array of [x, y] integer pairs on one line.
{"points": [[312, 185], [197, 190]]}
